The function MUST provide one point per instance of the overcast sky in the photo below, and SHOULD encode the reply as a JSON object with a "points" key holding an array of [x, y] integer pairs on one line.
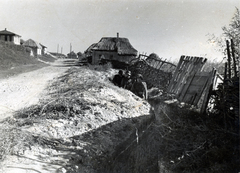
{"points": [[170, 28]]}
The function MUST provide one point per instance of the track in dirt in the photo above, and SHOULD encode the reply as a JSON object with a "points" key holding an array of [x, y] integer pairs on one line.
{"points": [[25, 89]]}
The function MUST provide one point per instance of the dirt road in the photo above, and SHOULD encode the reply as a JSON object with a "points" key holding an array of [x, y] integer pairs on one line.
{"points": [[25, 89]]}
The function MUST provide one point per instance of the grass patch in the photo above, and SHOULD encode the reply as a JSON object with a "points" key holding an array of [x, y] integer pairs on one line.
{"points": [[191, 142], [15, 60]]}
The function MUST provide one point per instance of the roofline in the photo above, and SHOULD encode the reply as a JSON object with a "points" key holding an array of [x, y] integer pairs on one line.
{"points": [[9, 33]]}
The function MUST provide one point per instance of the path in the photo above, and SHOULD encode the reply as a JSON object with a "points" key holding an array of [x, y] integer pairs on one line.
{"points": [[25, 89]]}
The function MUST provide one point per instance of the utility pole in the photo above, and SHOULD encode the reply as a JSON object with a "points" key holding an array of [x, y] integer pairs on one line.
{"points": [[70, 50], [57, 50]]}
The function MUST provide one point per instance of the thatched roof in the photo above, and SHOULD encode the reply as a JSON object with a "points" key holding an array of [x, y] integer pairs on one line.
{"points": [[31, 43], [121, 45], [89, 49], [5, 32]]}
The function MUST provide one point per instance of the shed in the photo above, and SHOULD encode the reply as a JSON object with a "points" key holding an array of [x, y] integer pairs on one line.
{"points": [[10, 36]]}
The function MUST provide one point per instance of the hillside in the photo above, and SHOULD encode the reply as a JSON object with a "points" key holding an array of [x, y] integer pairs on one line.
{"points": [[15, 59]]}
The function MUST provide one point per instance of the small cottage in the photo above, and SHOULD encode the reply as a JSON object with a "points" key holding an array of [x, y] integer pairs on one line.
{"points": [[117, 50], [35, 46], [10, 37]]}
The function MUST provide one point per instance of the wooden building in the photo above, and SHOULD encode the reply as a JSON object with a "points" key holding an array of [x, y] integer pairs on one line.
{"points": [[10, 37]]}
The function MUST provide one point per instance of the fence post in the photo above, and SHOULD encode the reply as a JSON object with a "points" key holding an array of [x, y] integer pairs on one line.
{"points": [[225, 72], [234, 60], [229, 60]]}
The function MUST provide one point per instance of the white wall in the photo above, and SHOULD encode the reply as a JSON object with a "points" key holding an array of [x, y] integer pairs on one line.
{"points": [[16, 40]]}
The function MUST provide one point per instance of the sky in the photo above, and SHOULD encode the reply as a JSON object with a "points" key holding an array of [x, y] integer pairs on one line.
{"points": [[169, 28]]}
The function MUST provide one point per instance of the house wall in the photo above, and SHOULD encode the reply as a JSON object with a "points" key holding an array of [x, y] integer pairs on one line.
{"points": [[2, 37], [110, 56], [44, 50], [16, 40], [6, 37], [36, 51], [39, 51], [107, 55]]}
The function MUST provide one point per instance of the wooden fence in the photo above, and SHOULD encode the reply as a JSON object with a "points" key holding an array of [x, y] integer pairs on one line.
{"points": [[156, 72], [190, 84]]}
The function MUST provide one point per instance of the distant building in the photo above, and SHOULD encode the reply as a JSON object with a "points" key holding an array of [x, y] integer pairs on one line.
{"points": [[72, 55], [113, 49], [58, 55], [10, 37], [44, 49], [35, 46]]}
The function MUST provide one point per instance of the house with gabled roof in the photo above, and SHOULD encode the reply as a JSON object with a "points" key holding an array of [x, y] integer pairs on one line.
{"points": [[10, 37], [35, 46], [117, 50]]}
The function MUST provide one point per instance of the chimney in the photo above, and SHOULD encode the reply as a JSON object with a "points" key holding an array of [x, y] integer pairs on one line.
{"points": [[117, 35]]}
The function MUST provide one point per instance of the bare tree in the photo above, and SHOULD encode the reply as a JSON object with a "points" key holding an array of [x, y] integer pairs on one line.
{"points": [[230, 32]]}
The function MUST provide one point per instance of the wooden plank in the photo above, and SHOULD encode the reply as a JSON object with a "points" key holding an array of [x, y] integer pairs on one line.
{"points": [[185, 88], [208, 88], [199, 80], [183, 75], [186, 67], [172, 83], [204, 84], [189, 98], [158, 65], [194, 89]]}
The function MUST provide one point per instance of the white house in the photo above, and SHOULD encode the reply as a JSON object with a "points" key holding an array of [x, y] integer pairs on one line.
{"points": [[9, 37]]}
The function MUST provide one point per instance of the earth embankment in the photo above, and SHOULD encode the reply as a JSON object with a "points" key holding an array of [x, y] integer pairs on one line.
{"points": [[76, 126]]}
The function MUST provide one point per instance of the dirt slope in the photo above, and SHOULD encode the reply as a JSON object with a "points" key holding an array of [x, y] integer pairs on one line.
{"points": [[76, 126]]}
